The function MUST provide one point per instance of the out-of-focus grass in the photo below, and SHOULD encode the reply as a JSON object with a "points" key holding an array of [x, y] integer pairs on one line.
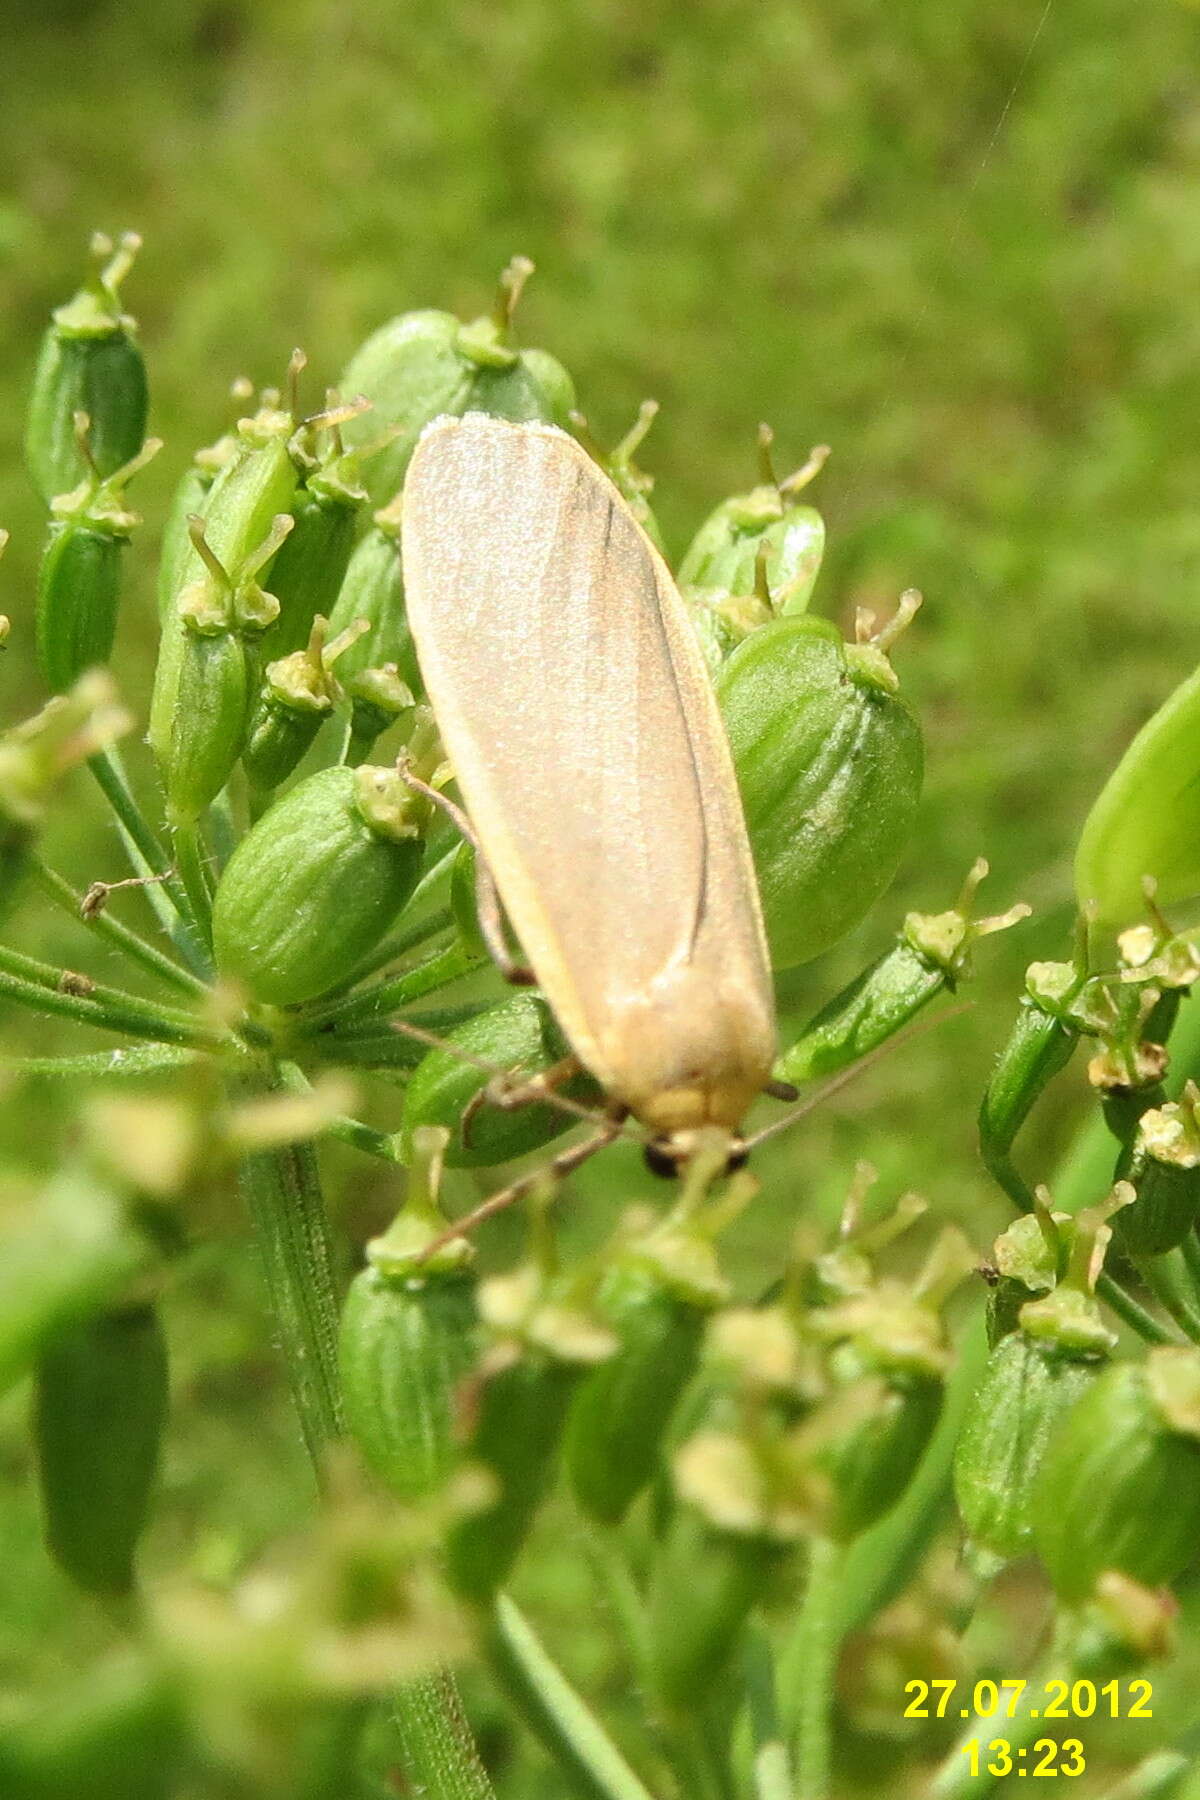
{"points": [[959, 248]]}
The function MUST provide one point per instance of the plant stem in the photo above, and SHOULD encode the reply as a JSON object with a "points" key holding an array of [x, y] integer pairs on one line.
{"points": [[554, 1711], [440, 1758], [50, 976], [189, 859], [84, 1010], [365, 1007], [382, 1144], [282, 1190], [1168, 1280], [148, 858], [1191, 1257], [64, 896], [816, 1647], [1131, 1311], [772, 1770]]}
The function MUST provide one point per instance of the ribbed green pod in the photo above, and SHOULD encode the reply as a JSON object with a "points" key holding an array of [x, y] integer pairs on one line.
{"points": [[315, 884], [1120, 1484], [424, 364], [99, 1409], [89, 363], [829, 763]]}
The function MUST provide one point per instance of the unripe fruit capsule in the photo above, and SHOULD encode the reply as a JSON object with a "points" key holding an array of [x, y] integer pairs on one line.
{"points": [[519, 1406], [315, 884], [657, 1295], [424, 365], [1120, 1486], [1146, 820], [518, 1037], [409, 1337], [89, 362], [99, 1409], [755, 558], [829, 764], [79, 581]]}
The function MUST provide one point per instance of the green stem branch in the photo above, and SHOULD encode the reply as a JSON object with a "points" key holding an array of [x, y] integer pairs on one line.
{"points": [[366, 1007], [815, 1651], [102, 924], [86, 1010], [282, 1190], [148, 858], [554, 1711], [190, 861]]}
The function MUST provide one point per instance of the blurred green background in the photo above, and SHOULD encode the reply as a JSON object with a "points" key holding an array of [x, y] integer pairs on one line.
{"points": [[957, 240]]}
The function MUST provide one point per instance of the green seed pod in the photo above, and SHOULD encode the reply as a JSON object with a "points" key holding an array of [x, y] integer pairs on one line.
{"points": [[1041, 1043], [373, 590], [190, 496], [254, 486], [316, 883], [1035, 1373], [755, 558], [1165, 1172], [634, 485], [1027, 1389], [308, 573], [79, 581], [200, 708], [424, 364], [541, 1351], [885, 1368], [930, 956], [1120, 1485], [90, 363], [409, 1337], [99, 1409], [724, 1542], [518, 1036], [298, 695], [829, 763], [657, 1295], [254, 483], [872, 1463], [1146, 820]]}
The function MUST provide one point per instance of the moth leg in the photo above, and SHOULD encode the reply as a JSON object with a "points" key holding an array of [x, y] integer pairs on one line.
{"points": [[556, 1168], [512, 1089], [487, 899]]}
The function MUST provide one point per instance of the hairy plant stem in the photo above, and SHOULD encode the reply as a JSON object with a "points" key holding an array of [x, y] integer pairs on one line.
{"points": [[364, 1009], [189, 858], [282, 1190], [148, 858], [818, 1636], [382, 1144], [138, 1020], [103, 925]]}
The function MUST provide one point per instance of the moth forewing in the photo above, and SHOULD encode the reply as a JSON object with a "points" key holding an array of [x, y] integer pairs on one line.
{"points": [[578, 718]]}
